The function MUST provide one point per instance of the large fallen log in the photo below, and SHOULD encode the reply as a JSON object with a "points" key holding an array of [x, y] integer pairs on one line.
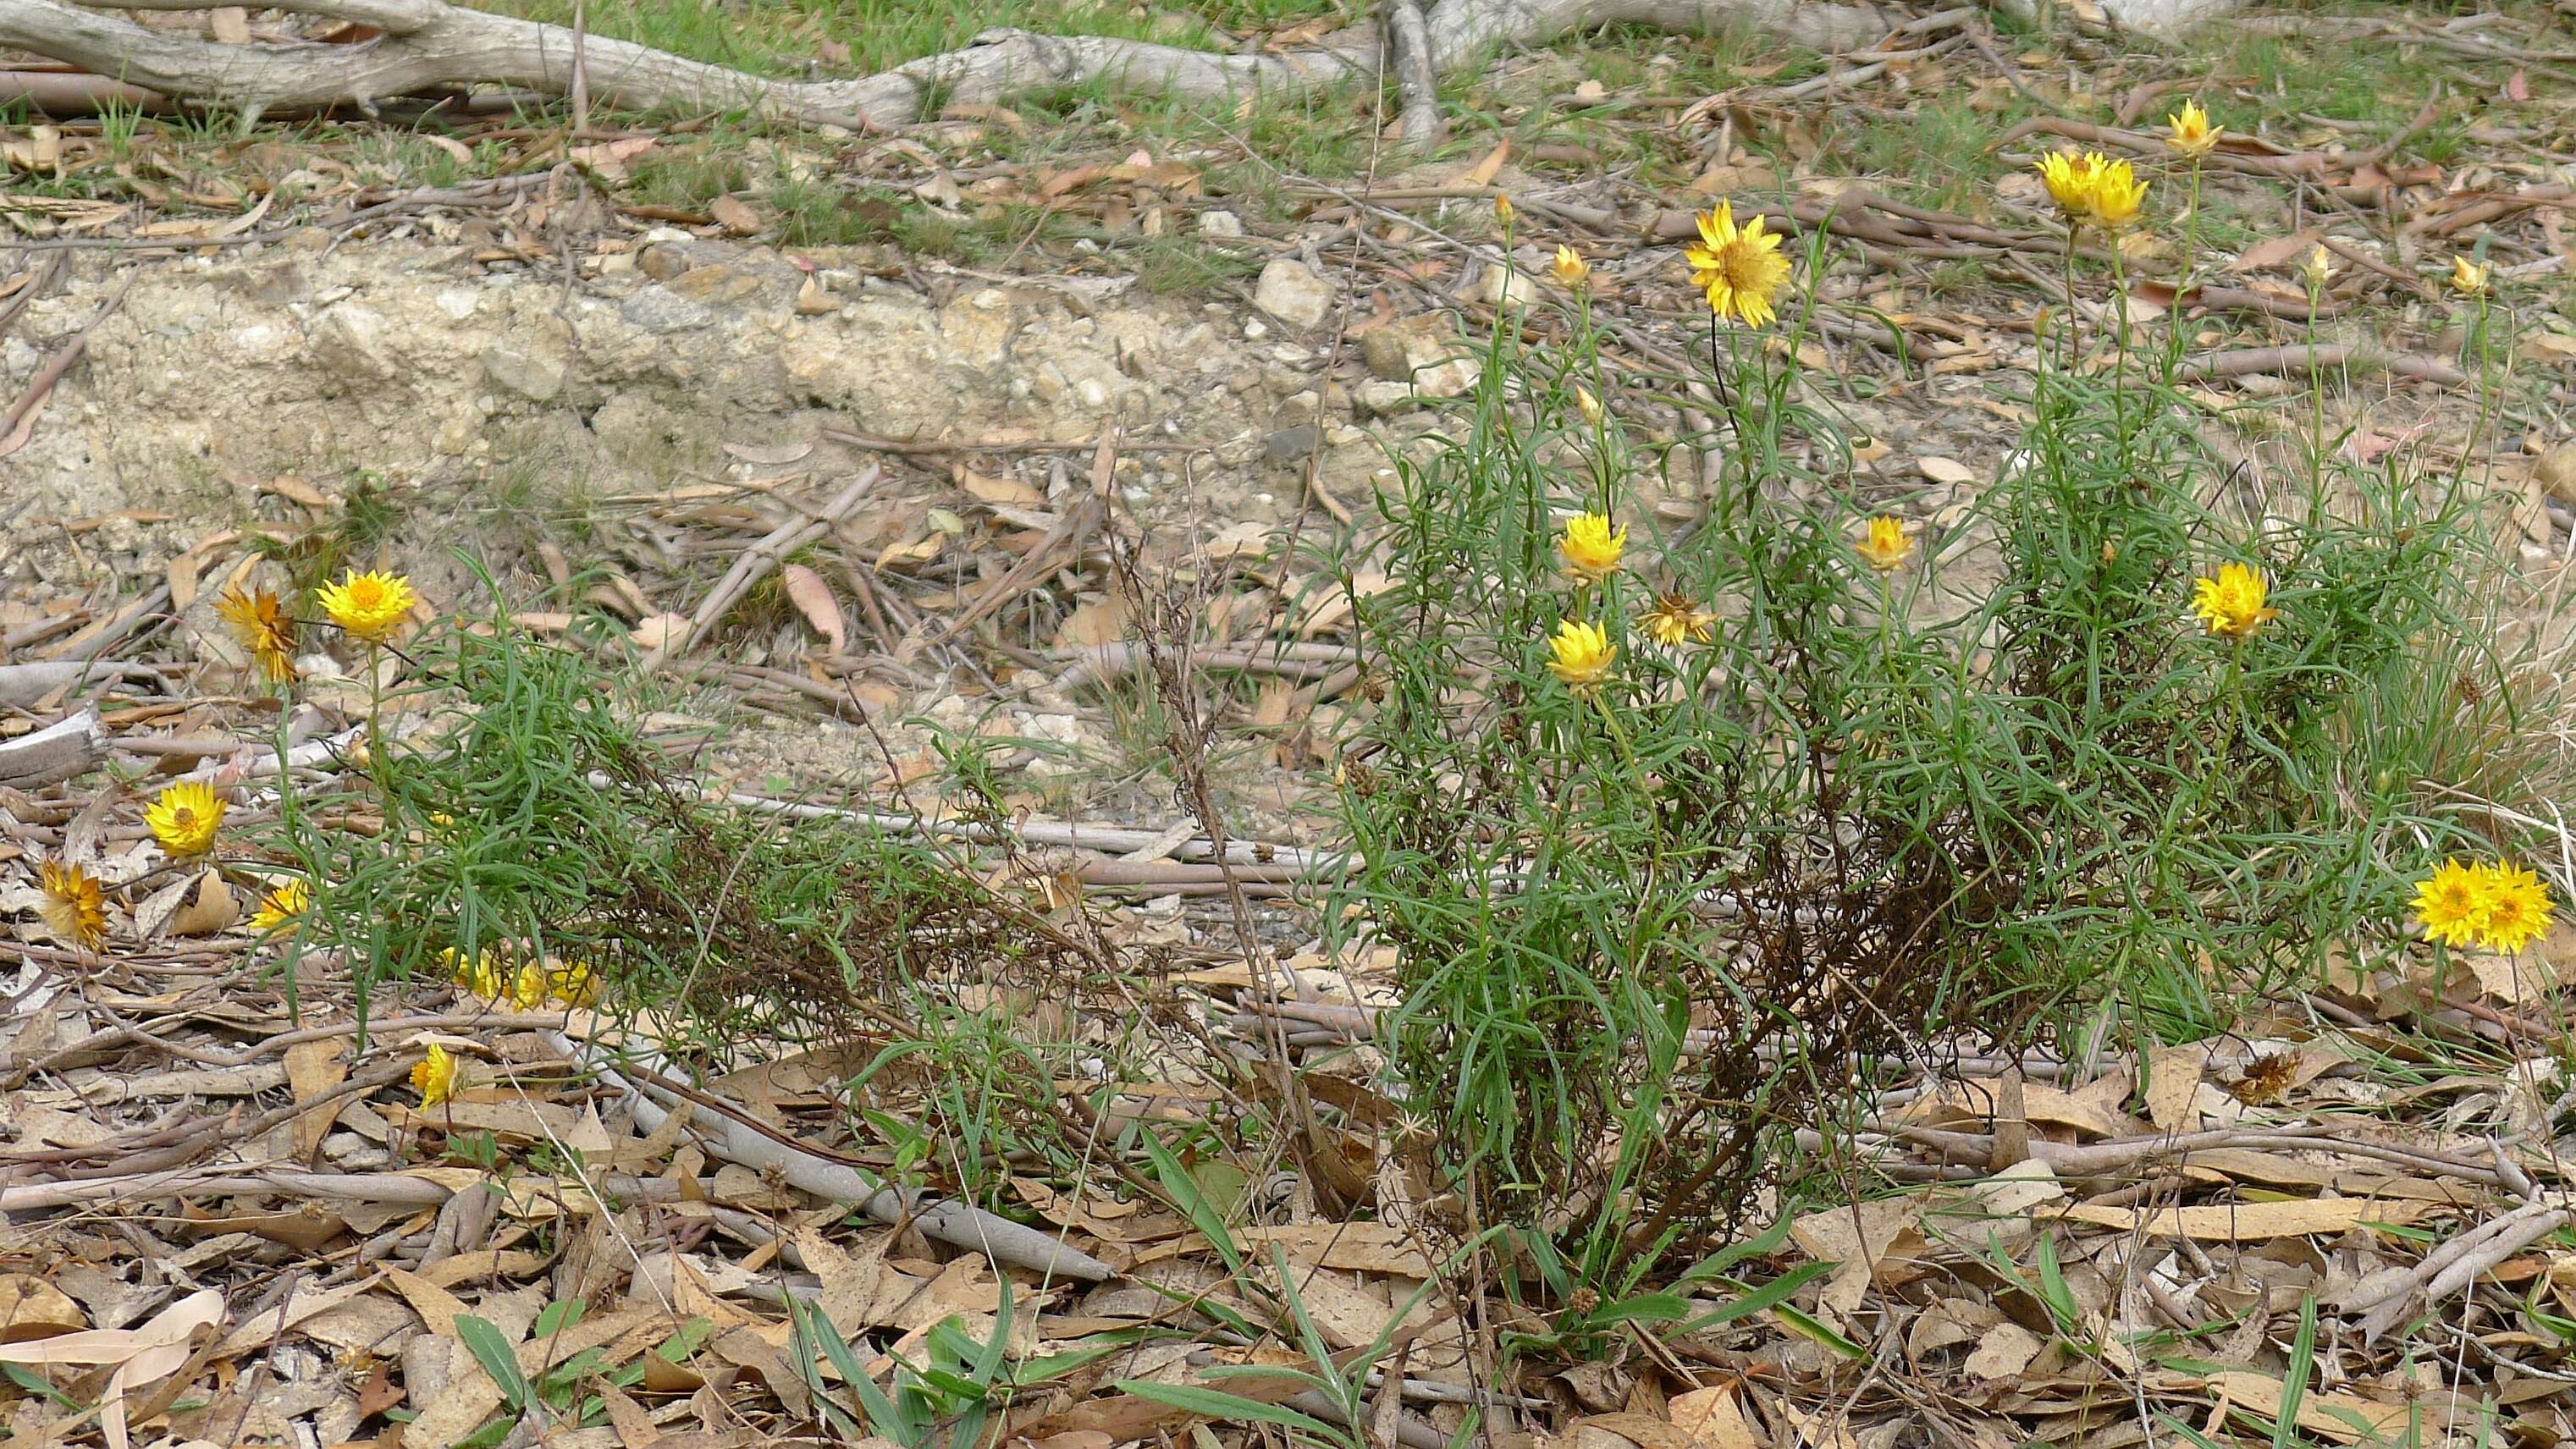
{"points": [[422, 45]]}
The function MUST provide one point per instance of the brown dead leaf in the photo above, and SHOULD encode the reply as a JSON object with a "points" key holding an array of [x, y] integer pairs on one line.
{"points": [[608, 159], [2173, 1076], [815, 600], [313, 1068], [141, 1355], [1714, 1418], [2003, 1351], [2280, 251], [2249, 1222], [2346, 1418], [30, 1307], [734, 216], [1483, 172]]}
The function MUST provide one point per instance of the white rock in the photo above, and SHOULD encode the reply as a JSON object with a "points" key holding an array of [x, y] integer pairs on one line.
{"points": [[1220, 224], [1290, 291]]}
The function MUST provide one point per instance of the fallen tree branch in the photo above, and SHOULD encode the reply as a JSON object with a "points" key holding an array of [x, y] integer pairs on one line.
{"points": [[945, 1220], [1408, 58], [2245, 361], [426, 44]]}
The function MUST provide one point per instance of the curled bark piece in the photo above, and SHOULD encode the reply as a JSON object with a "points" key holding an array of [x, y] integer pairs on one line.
{"points": [[67, 747], [943, 1220]]}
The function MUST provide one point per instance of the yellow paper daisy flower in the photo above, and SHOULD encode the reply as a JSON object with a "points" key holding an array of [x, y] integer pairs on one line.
{"points": [[1739, 269], [2189, 132], [1677, 619], [73, 908], [2469, 278], [1887, 546], [369, 605], [2232, 603], [2518, 908], [184, 818], [2069, 178], [434, 1076], [1581, 656], [1590, 549], [574, 983], [259, 624], [480, 975], [1572, 271], [2115, 197], [2451, 903], [281, 908]]}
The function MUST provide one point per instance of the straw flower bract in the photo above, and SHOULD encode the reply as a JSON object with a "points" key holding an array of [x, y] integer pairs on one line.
{"points": [[2115, 196], [369, 605], [1677, 619], [434, 1076], [259, 624], [2232, 602], [2469, 278], [282, 908], [184, 818], [1571, 269], [73, 908], [1887, 545], [1590, 549], [1581, 655], [2189, 131], [1739, 269]]}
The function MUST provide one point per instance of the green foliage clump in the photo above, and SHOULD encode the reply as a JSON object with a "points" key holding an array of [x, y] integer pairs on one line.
{"points": [[2011, 787]]}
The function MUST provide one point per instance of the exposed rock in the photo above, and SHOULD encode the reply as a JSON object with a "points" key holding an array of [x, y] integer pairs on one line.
{"points": [[659, 311], [1220, 224], [1384, 397], [2556, 471], [350, 339], [1291, 445], [1290, 291], [1388, 359], [404, 357]]}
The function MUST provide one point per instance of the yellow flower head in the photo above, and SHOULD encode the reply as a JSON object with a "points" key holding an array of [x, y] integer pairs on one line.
{"points": [[2452, 903], [1588, 405], [1887, 546], [2518, 907], [574, 983], [282, 908], [2232, 603], [2190, 133], [2069, 178], [1740, 270], [259, 624], [1571, 269], [527, 988], [434, 1076], [73, 908], [1590, 549], [1504, 211], [2114, 198], [2318, 269], [481, 975], [184, 818], [2469, 278], [1582, 655], [1677, 619], [369, 605]]}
